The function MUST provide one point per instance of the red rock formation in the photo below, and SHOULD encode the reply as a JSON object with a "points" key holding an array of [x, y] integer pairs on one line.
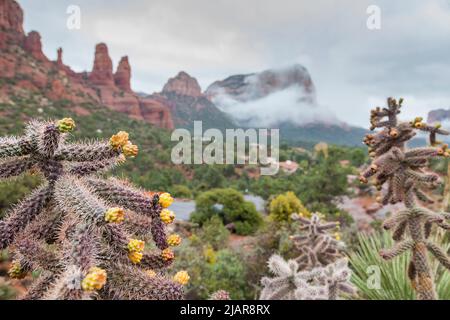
{"points": [[34, 46], [183, 84], [56, 81], [11, 16], [156, 111], [122, 77], [102, 73], [59, 60]]}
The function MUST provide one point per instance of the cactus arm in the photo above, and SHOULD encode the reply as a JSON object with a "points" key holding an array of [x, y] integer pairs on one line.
{"points": [[15, 167], [22, 214], [86, 152], [128, 283], [130, 198], [72, 195], [14, 147]]}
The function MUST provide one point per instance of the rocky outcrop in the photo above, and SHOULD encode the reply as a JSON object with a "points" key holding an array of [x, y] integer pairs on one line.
{"points": [[248, 87], [183, 84], [102, 72], [25, 68], [122, 77], [11, 16], [33, 46], [183, 96], [438, 115]]}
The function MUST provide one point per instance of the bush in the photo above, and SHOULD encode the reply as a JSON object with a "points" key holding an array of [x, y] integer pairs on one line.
{"points": [[181, 191], [230, 206], [214, 233], [284, 205], [212, 270]]}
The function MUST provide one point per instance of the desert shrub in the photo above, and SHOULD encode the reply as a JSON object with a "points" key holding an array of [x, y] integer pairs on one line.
{"points": [[284, 205], [211, 270], [230, 206], [214, 233]]}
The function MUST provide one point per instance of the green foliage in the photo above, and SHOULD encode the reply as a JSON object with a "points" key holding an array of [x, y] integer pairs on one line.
{"points": [[211, 271], [7, 292], [214, 233], [394, 284], [230, 206], [180, 191], [284, 205]]}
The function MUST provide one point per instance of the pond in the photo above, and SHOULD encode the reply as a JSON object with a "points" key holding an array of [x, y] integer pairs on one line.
{"points": [[184, 208]]}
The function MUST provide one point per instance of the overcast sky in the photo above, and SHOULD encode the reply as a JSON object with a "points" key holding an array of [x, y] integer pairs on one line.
{"points": [[353, 68]]}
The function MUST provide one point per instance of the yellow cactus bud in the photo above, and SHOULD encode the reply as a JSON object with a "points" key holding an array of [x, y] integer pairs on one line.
{"points": [[135, 256], [182, 277], [151, 273], [119, 140], [165, 200], [15, 271], [130, 150], [174, 240], [167, 254], [66, 125], [167, 216], [136, 245], [94, 280], [114, 215]]}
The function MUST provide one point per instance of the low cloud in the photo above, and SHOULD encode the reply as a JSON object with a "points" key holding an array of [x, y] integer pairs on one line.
{"points": [[289, 105]]}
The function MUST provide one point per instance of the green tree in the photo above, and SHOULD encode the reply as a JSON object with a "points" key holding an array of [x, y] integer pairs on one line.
{"points": [[230, 206]]}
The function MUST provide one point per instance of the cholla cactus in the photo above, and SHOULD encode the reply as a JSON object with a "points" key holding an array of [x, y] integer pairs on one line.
{"points": [[318, 247], [319, 283], [319, 273], [404, 172], [85, 234]]}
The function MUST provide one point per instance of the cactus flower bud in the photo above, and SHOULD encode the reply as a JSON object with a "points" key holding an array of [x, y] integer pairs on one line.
{"points": [[167, 254], [182, 277], [167, 216], [135, 256], [15, 271], [174, 240], [165, 200], [130, 150], [136, 245], [66, 125], [119, 140], [94, 280], [114, 215]]}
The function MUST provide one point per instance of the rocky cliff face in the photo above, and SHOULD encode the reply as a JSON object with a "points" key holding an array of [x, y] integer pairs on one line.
{"points": [[249, 87], [102, 72], [24, 69], [122, 77], [183, 84], [183, 96]]}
